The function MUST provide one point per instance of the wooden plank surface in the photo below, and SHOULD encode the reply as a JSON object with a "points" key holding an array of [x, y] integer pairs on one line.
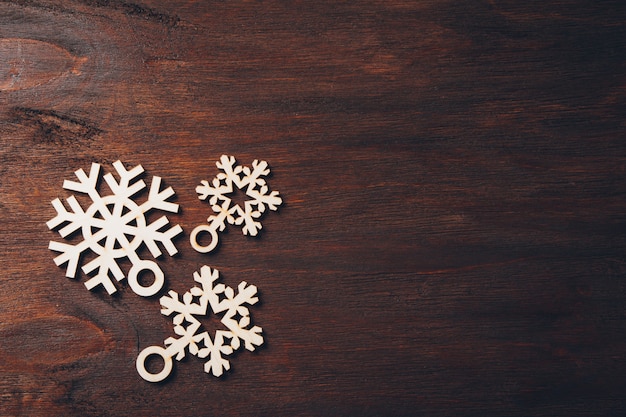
{"points": [[452, 240]]}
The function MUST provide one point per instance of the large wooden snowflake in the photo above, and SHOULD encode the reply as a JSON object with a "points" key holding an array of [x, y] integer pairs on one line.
{"points": [[113, 227], [186, 312], [218, 193]]}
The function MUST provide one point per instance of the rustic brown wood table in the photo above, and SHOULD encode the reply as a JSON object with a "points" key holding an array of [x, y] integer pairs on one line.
{"points": [[453, 234]]}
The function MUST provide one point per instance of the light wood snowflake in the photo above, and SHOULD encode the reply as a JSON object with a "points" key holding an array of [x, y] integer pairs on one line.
{"points": [[218, 193], [113, 227], [187, 311]]}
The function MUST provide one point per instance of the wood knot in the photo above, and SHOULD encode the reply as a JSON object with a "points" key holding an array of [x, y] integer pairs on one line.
{"points": [[27, 63]]}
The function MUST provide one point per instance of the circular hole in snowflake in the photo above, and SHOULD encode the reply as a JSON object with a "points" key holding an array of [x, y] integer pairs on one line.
{"points": [[146, 277], [154, 363], [204, 238]]}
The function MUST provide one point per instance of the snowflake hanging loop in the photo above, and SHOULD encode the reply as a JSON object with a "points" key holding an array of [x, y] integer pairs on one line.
{"points": [[195, 303], [113, 227], [249, 180]]}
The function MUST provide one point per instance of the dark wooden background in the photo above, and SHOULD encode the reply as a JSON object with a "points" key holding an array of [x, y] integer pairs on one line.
{"points": [[452, 241]]}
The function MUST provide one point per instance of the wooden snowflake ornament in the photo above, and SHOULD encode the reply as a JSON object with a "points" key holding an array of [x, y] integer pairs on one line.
{"points": [[195, 303], [249, 180], [113, 227]]}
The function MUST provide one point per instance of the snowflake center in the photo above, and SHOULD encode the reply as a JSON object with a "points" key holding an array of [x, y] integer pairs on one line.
{"points": [[115, 226], [237, 197], [211, 322]]}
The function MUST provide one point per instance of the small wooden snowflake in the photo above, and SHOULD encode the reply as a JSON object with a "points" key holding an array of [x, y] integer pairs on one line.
{"points": [[186, 312], [249, 180]]}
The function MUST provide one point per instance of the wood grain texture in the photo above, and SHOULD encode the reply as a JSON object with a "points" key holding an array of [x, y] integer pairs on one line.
{"points": [[453, 237]]}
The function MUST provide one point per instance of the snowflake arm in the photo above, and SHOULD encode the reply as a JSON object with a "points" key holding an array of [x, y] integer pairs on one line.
{"points": [[228, 164], [246, 295], [251, 337], [215, 191], [86, 184], [103, 264], [73, 220], [253, 177], [214, 350], [123, 188], [210, 292], [260, 197], [70, 254], [172, 303], [247, 218], [150, 234], [158, 199], [185, 323], [224, 214], [236, 306], [178, 347]]}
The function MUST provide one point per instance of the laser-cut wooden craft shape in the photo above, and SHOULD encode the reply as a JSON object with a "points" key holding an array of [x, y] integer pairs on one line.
{"points": [[195, 303], [113, 227], [249, 180]]}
